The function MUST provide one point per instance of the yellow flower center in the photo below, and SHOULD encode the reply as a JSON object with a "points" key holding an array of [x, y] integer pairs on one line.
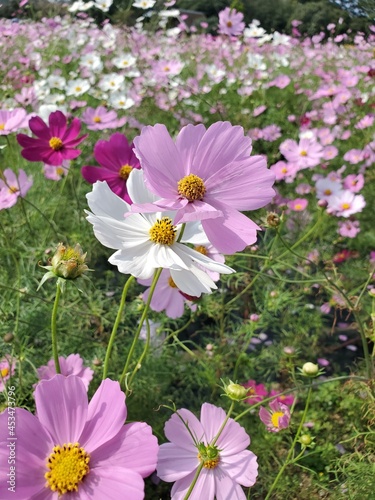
{"points": [[345, 206], [56, 143], [303, 153], [13, 189], [201, 249], [298, 206], [327, 192], [97, 119], [166, 68], [59, 171], [4, 372], [2, 126], [191, 187], [78, 89], [171, 283], [163, 232], [209, 463], [284, 170], [68, 465], [124, 172], [275, 418]]}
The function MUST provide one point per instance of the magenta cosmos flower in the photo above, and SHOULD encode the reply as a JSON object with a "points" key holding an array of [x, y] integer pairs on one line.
{"points": [[72, 365], [206, 175], [74, 449], [256, 392], [231, 22], [116, 160], [226, 463], [55, 143], [276, 419]]}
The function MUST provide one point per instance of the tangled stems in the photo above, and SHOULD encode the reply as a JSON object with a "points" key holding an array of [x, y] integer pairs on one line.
{"points": [[136, 336], [214, 441], [116, 325], [291, 450], [54, 329]]}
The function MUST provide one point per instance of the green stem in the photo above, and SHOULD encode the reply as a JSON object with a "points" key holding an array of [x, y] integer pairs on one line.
{"points": [[291, 450], [141, 321], [54, 330], [116, 325], [194, 481]]}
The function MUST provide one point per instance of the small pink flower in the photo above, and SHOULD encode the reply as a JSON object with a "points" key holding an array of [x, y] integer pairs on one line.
{"points": [[12, 121], [231, 22], [55, 143], [72, 365], [7, 368], [354, 183], [345, 203], [276, 419], [56, 173], [101, 119], [298, 205], [256, 392], [286, 399], [349, 229], [13, 186]]}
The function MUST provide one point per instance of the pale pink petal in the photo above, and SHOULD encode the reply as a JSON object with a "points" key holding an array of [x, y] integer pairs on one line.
{"points": [[175, 462], [176, 430], [204, 488], [242, 467], [212, 418], [187, 143], [61, 404], [233, 439], [226, 488]]}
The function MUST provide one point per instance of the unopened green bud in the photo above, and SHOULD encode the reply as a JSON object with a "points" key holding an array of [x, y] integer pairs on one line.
{"points": [[236, 392], [310, 369], [305, 439]]}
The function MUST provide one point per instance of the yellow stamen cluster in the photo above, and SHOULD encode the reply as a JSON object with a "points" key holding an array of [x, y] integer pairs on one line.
{"points": [[191, 187], [2, 126], [201, 249], [97, 119], [56, 143], [345, 206], [229, 24], [209, 463], [171, 283], [275, 418], [163, 232], [124, 172], [13, 189], [4, 372], [303, 153], [68, 465]]}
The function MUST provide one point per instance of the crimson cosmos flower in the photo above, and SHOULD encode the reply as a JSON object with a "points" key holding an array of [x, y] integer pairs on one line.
{"points": [[55, 143]]}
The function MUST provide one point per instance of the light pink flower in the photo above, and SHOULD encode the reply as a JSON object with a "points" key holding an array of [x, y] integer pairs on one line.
{"points": [[101, 119], [326, 188], [345, 203], [284, 171], [231, 22], [276, 419], [13, 186], [227, 464], [76, 449], [7, 368], [349, 229], [298, 205], [56, 173], [13, 121], [354, 156], [307, 153], [72, 365], [206, 175], [354, 183]]}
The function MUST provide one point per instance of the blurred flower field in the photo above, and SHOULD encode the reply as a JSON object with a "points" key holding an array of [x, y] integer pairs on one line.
{"points": [[187, 224]]}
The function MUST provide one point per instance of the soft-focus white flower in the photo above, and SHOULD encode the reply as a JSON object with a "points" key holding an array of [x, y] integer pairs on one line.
{"points": [[80, 6], [119, 100], [103, 5], [146, 242], [144, 4], [77, 87], [92, 61], [345, 203], [56, 82], [111, 82], [124, 61], [169, 13]]}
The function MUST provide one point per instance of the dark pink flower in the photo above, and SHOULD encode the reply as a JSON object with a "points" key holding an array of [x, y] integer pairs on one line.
{"points": [[276, 419], [286, 399], [256, 392], [116, 160], [55, 143]]}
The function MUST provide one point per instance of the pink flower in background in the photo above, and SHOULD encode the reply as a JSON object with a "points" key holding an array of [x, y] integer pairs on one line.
{"points": [[345, 203], [13, 186], [256, 393], [284, 171], [101, 119], [231, 22], [259, 110], [307, 153], [298, 205], [330, 152], [326, 187], [227, 464], [12, 121], [286, 399], [354, 183], [56, 173], [55, 143], [349, 229], [116, 160], [206, 175], [276, 419], [7, 368], [354, 156], [271, 133], [280, 82], [78, 449], [365, 122], [72, 365]]}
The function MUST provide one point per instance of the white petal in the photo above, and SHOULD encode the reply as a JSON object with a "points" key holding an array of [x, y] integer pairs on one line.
{"points": [[103, 201]]}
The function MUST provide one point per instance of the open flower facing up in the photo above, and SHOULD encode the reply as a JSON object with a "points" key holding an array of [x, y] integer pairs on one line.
{"points": [[256, 392], [231, 22], [13, 186], [226, 463], [206, 175], [7, 368], [278, 418], [55, 142], [72, 365], [146, 242], [116, 160], [75, 449], [12, 120], [101, 119]]}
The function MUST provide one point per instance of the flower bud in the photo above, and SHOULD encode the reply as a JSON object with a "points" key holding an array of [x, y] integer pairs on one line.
{"points": [[69, 262], [310, 369], [8, 337], [236, 392], [273, 220], [305, 439]]}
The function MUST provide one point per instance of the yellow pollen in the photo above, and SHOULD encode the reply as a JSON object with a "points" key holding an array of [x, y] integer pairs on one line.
{"points": [[167, 68], [163, 232], [275, 418], [13, 189], [191, 187], [327, 192], [201, 249], [210, 463], [124, 172], [68, 465], [298, 206], [56, 143], [345, 206], [284, 170], [59, 171], [171, 283], [251, 391], [303, 153], [229, 24], [97, 119], [2, 126], [78, 89], [4, 372]]}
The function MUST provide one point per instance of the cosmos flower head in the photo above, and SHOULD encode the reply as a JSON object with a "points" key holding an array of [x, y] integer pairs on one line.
{"points": [[71, 365], [231, 22], [277, 418]]}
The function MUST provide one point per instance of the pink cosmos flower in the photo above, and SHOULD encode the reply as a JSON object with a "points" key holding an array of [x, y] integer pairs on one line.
{"points": [[256, 393], [7, 368], [101, 119], [298, 205], [231, 22], [345, 203], [55, 143], [286, 399], [206, 175], [354, 183], [284, 171], [227, 463], [72, 365], [13, 186], [116, 160], [349, 229], [167, 296], [12, 121], [55, 173], [77, 449], [354, 156], [307, 153], [326, 187], [276, 419]]}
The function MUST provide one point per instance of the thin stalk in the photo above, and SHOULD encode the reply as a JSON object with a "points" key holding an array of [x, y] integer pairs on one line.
{"points": [[116, 325], [54, 329]]}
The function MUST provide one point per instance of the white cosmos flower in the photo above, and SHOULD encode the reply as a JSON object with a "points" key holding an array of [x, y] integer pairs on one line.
{"points": [[146, 242], [144, 4]]}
